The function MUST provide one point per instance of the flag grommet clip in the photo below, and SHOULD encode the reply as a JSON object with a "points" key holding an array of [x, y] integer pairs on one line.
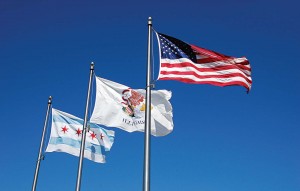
{"points": [[151, 86]]}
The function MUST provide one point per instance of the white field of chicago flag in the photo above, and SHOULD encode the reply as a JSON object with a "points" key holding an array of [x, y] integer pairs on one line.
{"points": [[191, 64], [66, 133], [119, 106]]}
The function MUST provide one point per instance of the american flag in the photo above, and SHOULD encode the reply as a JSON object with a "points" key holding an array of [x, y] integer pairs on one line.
{"points": [[191, 64]]}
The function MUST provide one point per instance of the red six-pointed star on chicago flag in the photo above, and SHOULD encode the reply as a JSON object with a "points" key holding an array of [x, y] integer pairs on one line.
{"points": [[93, 135], [64, 129], [101, 136], [78, 132]]}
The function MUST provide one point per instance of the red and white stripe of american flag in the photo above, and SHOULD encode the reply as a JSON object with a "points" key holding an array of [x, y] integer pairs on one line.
{"points": [[211, 68]]}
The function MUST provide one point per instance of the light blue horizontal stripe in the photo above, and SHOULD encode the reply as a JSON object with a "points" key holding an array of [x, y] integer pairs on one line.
{"points": [[73, 121], [64, 119], [96, 149]]}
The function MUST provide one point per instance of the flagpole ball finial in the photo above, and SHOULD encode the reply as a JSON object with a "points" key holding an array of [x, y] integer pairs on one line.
{"points": [[92, 65], [149, 20], [50, 99]]}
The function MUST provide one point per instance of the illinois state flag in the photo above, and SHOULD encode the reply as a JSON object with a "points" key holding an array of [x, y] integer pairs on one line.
{"points": [[119, 106], [66, 132], [191, 64]]}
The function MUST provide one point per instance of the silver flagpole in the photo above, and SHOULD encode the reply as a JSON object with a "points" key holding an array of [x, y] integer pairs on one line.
{"points": [[83, 136], [40, 156], [146, 185]]}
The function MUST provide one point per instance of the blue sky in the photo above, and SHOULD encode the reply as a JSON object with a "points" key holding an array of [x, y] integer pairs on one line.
{"points": [[223, 138]]}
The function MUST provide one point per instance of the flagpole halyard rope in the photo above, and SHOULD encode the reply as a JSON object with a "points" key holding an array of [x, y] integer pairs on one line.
{"points": [[152, 56], [47, 135], [92, 91]]}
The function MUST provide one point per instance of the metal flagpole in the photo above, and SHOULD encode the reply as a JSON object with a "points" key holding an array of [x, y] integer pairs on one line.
{"points": [[146, 185], [40, 156], [83, 136]]}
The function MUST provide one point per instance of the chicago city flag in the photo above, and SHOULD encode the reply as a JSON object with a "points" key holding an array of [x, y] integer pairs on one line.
{"points": [[66, 132], [191, 64], [119, 106]]}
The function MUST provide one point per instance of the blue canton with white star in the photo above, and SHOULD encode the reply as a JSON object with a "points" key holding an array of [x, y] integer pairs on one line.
{"points": [[173, 48]]}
